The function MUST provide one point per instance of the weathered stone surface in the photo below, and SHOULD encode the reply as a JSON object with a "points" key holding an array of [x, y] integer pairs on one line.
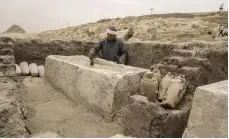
{"points": [[209, 115], [33, 69], [41, 71], [104, 87], [120, 136], [148, 120], [12, 124], [47, 134]]}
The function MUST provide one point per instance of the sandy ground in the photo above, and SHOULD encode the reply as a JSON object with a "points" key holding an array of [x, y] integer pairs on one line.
{"points": [[172, 29], [49, 110]]}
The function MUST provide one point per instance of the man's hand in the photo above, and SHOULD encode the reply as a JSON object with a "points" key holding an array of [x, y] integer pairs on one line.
{"points": [[91, 54], [122, 59]]}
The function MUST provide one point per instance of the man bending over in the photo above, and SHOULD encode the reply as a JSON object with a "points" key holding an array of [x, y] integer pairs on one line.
{"points": [[111, 48]]}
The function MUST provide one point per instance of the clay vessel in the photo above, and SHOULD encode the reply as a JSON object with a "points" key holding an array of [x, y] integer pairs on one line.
{"points": [[175, 92], [41, 71], [18, 70], [164, 85], [33, 69], [157, 74], [24, 68], [149, 86]]}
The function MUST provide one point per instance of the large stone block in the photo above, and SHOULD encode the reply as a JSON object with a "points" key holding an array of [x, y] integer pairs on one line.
{"points": [[104, 87], [209, 115], [145, 119]]}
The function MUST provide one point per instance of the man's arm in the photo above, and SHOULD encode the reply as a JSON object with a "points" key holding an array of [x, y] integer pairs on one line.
{"points": [[123, 53], [94, 50]]}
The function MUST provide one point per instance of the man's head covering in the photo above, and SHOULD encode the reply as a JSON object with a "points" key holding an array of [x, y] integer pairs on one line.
{"points": [[112, 30]]}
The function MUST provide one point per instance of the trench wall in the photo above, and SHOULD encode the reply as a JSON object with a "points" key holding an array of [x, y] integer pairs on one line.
{"points": [[142, 55]]}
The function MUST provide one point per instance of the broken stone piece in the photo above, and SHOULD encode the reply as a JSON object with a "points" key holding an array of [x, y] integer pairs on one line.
{"points": [[33, 69], [209, 114], [120, 136], [149, 120], [164, 85], [41, 71], [18, 70], [47, 134], [175, 92], [24, 68], [140, 98], [149, 86]]}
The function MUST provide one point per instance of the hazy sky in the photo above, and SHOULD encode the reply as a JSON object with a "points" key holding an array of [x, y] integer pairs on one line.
{"points": [[40, 15]]}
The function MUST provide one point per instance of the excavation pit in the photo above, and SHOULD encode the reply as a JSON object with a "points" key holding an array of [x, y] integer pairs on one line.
{"points": [[209, 66]]}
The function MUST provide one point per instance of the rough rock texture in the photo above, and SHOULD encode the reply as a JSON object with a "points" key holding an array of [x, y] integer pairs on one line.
{"points": [[209, 115], [12, 124], [148, 120], [47, 134], [7, 60], [104, 88], [15, 29], [120, 136], [174, 27], [36, 50]]}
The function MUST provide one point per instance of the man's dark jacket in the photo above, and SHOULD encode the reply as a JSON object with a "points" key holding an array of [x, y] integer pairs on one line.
{"points": [[111, 50]]}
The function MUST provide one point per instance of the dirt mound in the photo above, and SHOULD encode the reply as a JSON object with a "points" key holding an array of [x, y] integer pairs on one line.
{"points": [[15, 29], [176, 27]]}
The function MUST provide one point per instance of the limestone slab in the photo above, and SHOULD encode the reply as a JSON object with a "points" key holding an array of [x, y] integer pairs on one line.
{"points": [[209, 114], [104, 87], [145, 119]]}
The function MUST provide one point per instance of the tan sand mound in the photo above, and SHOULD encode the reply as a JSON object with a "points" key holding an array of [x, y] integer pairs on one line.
{"points": [[173, 28]]}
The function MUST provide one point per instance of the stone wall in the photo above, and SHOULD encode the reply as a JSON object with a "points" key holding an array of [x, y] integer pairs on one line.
{"points": [[12, 123]]}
